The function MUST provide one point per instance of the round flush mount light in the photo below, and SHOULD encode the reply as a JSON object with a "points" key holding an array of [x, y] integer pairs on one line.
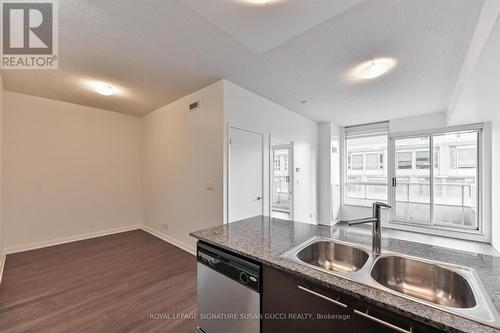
{"points": [[104, 89], [258, 2], [373, 68]]}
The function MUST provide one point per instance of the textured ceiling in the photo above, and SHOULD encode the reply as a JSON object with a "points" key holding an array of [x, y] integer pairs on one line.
{"points": [[264, 27], [157, 51]]}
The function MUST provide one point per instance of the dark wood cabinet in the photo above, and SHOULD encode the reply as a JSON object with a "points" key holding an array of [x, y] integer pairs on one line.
{"points": [[292, 304], [371, 319]]}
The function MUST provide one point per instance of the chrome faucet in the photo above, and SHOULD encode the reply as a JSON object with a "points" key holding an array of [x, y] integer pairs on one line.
{"points": [[375, 219]]}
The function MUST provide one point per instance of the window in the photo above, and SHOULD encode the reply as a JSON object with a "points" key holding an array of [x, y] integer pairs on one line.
{"points": [[463, 157], [436, 157], [404, 159], [447, 195], [466, 157], [435, 177], [276, 164], [372, 161], [366, 172], [356, 162], [280, 188], [422, 159]]}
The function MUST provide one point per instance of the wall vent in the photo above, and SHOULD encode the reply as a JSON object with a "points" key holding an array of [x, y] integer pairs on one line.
{"points": [[194, 106]]}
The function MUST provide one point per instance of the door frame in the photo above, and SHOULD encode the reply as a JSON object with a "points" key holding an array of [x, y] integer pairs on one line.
{"points": [[228, 167], [291, 165], [391, 195], [483, 233]]}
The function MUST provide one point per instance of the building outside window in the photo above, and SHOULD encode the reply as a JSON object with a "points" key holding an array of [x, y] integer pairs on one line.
{"points": [[444, 196], [356, 162], [422, 159], [405, 159], [366, 172]]}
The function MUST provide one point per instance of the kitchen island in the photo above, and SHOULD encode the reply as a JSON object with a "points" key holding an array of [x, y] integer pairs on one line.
{"points": [[265, 240]]}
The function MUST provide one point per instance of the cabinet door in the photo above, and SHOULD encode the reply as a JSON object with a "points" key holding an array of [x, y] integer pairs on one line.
{"points": [[290, 304], [369, 319]]}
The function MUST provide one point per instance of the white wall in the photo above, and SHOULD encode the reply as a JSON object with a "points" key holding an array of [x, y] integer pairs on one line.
{"points": [[479, 99], [2, 230], [324, 175], [72, 171], [329, 173], [336, 169], [182, 156], [495, 182], [67, 167], [250, 111], [417, 123]]}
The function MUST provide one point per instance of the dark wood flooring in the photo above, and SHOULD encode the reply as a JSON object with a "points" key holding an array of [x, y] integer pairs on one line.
{"points": [[106, 284]]}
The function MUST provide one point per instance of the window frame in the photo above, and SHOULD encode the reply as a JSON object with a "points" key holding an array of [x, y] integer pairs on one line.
{"points": [[483, 233], [368, 130], [445, 229]]}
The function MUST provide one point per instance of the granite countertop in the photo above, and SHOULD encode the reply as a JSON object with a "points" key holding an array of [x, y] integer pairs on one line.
{"points": [[265, 240]]}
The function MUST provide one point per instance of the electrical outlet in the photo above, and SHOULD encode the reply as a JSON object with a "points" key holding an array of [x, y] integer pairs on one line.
{"points": [[91, 224], [164, 226]]}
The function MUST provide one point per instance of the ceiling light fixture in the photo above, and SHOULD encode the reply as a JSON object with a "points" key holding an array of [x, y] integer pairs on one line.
{"points": [[104, 89], [373, 68], [259, 2]]}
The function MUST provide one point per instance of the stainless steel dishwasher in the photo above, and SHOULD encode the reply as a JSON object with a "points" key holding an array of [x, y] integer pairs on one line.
{"points": [[228, 292]]}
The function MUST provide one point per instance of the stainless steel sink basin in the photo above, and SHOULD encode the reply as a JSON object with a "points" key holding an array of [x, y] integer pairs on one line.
{"points": [[423, 280], [452, 288], [333, 256]]}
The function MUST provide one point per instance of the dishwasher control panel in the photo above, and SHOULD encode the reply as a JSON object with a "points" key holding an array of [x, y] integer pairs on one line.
{"points": [[230, 265]]}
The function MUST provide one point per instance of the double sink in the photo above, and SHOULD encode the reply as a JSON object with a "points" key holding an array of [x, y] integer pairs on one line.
{"points": [[448, 287]]}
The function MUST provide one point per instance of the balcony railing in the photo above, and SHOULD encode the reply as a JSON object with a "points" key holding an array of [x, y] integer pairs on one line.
{"points": [[281, 193], [454, 204]]}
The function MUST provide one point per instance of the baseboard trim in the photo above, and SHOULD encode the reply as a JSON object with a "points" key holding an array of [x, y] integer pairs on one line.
{"points": [[325, 222], [64, 240], [38, 245], [496, 246], [2, 264], [183, 246]]}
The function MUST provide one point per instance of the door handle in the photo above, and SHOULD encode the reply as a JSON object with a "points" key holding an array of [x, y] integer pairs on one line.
{"points": [[382, 322], [331, 300], [259, 198]]}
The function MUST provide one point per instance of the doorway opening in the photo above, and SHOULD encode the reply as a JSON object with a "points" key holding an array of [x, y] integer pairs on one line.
{"points": [[282, 181]]}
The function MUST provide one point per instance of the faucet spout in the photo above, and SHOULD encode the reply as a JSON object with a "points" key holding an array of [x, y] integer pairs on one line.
{"points": [[375, 219], [362, 220]]}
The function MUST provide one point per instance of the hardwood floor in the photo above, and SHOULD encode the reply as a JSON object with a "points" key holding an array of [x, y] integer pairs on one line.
{"points": [[106, 284]]}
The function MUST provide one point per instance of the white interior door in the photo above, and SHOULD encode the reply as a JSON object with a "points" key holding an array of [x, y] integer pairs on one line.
{"points": [[245, 174]]}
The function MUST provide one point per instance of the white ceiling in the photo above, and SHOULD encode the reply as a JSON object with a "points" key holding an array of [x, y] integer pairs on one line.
{"points": [[480, 98], [158, 51], [264, 27]]}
